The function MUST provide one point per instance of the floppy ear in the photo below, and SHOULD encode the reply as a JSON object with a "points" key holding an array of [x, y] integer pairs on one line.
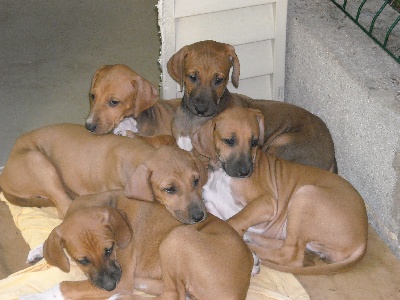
{"points": [[138, 185], [97, 74], [202, 170], [236, 66], [120, 226], [53, 251], [146, 95], [175, 66], [260, 120], [203, 140]]}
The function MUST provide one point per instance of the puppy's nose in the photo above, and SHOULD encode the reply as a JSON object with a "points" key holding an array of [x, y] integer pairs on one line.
{"points": [[90, 126], [198, 216], [201, 110], [244, 172]]}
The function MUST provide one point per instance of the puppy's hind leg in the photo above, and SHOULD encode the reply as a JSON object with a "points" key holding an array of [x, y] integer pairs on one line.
{"points": [[32, 180], [289, 255]]}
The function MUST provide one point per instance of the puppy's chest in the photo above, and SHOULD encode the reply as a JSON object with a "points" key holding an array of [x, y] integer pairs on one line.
{"points": [[218, 195], [185, 124]]}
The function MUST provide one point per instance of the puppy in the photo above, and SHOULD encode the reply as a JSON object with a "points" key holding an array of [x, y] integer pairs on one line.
{"points": [[282, 208], [121, 100], [122, 244], [202, 69], [55, 164]]}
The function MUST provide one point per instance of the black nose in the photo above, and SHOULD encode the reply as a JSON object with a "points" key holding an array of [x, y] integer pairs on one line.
{"points": [[244, 172], [90, 126], [200, 110], [198, 216]]}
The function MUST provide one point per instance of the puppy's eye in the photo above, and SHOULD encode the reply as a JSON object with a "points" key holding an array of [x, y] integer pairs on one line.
{"points": [[92, 96], [218, 80], [84, 261], [230, 142], [108, 251], [170, 190], [113, 103], [192, 77], [196, 181], [254, 143]]}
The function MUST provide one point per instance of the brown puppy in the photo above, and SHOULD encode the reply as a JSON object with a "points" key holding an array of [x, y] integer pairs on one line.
{"points": [[117, 93], [122, 244], [283, 207], [54, 164], [202, 69]]}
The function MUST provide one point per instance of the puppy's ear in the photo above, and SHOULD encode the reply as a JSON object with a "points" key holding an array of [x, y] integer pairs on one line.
{"points": [[260, 120], [119, 225], [235, 64], [138, 185], [53, 251], [203, 140], [202, 169], [99, 70], [146, 95], [175, 66]]}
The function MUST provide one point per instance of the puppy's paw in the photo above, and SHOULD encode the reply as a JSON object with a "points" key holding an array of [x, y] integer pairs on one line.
{"points": [[185, 143], [130, 134], [127, 124], [256, 266], [35, 255], [52, 294]]}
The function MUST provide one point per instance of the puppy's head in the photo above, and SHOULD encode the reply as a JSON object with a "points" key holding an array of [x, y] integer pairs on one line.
{"points": [[91, 237], [117, 92], [173, 177], [202, 69], [231, 139]]}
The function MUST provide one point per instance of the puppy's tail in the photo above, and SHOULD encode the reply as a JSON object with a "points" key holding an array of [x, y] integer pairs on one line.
{"points": [[332, 268], [35, 202]]}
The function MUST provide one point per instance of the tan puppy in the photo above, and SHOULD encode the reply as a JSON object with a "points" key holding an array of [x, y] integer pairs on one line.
{"points": [[54, 164], [202, 69], [284, 208], [122, 244], [118, 94]]}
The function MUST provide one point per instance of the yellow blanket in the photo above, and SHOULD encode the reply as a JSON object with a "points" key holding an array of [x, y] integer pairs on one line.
{"points": [[36, 224]]}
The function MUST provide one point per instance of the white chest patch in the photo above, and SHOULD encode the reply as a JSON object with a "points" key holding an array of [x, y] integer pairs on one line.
{"points": [[218, 197], [185, 143], [126, 124]]}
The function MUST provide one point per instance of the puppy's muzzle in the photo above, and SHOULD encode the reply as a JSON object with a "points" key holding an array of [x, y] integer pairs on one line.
{"points": [[108, 276], [202, 102], [194, 213], [90, 126], [239, 167], [197, 213]]}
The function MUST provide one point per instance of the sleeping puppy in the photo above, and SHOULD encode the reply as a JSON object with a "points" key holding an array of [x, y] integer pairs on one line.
{"points": [[202, 69], [124, 244]]}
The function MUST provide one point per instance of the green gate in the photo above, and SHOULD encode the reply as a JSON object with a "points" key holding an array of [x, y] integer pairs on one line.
{"points": [[369, 30]]}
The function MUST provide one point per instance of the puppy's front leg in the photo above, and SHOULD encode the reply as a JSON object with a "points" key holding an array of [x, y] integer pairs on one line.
{"points": [[257, 211], [71, 290], [83, 290], [53, 293]]}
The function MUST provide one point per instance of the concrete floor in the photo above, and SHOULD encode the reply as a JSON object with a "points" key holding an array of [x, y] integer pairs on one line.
{"points": [[51, 49]]}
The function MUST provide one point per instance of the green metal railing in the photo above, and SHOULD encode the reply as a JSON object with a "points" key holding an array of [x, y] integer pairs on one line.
{"points": [[369, 30]]}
